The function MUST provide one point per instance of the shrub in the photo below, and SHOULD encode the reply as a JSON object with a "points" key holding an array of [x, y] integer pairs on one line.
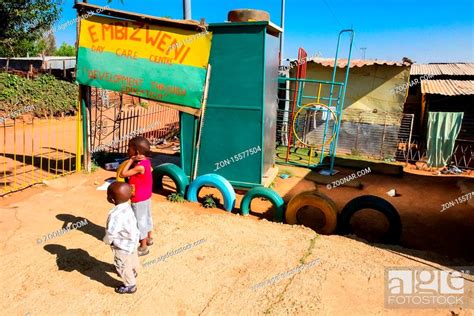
{"points": [[176, 198], [210, 201], [47, 95]]}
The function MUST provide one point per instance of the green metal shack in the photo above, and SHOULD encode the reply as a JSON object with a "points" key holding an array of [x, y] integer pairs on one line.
{"points": [[238, 132]]}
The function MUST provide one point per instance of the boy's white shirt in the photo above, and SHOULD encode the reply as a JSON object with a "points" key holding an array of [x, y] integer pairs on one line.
{"points": [[122, 228]]}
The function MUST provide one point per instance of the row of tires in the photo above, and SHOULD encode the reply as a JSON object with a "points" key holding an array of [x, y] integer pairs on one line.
{"points": [[191, 190], [341, 222], [334, 221]]}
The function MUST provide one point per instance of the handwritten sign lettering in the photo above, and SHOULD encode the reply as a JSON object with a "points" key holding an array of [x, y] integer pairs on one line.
{"points": [[134, 57]]}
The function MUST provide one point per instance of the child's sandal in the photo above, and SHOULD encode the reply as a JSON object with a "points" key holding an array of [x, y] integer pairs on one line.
{"points": [[122, 289], [149, 241], [143, 251]]}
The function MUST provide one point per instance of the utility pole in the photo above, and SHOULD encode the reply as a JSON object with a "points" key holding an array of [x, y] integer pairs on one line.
{"points": [[187, 9], [363, 49], [283, 29]]}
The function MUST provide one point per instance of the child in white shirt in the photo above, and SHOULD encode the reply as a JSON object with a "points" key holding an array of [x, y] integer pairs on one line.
{"points": [[122, 235]]}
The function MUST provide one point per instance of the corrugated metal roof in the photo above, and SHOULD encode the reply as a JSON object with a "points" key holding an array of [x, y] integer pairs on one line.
{"points": [[447, 87], [458, 69], [342, 63], [46, 58], [53, 62]]}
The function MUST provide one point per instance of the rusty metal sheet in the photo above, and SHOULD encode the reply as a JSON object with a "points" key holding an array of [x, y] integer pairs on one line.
{"points": [[447, 87], [342, 63], [458, 69]]}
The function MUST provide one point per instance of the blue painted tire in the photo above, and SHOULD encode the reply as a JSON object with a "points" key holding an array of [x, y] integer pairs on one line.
{"points": [[175, 173], [216, 181], [267, 193]]}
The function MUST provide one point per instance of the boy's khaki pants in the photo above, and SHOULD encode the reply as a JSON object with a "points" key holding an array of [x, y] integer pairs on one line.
{"points": [[126, 265]]}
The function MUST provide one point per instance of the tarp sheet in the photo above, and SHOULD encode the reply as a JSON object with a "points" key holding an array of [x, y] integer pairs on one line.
{"points": [[377, 89], [443, 129]]}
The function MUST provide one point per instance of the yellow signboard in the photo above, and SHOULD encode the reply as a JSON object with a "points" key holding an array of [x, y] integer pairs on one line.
{"points": [[156, 62]]}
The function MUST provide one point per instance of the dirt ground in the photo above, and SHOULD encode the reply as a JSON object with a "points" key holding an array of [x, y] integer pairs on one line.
{"points": [[72, 274], [419, 202]]}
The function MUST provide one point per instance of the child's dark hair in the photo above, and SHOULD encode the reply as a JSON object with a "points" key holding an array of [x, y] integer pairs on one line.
{"points": [[140, 144]]}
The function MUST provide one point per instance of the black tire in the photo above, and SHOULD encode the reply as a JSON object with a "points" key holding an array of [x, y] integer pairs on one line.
{"points": [[374, 203]]}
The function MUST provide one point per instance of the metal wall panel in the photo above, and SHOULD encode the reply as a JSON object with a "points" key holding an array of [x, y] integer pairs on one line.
{"points": [[271, 100]]}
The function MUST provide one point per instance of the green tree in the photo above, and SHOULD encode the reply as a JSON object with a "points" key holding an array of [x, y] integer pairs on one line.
{"points": [[23, 23], [65, 50]]}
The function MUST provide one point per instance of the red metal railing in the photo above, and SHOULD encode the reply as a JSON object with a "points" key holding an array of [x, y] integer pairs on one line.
{"points": [[300, 74]]}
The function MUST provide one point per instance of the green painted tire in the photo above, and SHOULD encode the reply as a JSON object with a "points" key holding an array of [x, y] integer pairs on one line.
{"points": [[175, 173], [267, 193]]}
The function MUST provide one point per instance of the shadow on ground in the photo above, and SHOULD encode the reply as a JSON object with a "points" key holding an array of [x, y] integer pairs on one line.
{"points": [[91, 228], [427, 234], [79, 260]]}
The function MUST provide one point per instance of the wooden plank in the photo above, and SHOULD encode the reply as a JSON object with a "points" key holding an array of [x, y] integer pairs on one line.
{"points": [[185, 109], [83, 8], [270, 176]]}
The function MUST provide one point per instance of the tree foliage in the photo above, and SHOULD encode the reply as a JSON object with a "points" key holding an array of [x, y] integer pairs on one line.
{"points": [[65, 50], [23, 24]]}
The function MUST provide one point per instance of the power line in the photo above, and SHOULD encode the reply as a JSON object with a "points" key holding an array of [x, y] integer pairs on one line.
{"points": [[363, 49], [332, 12]]}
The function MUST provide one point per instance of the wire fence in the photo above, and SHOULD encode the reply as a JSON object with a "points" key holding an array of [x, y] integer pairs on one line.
{"points": [[416, 152], [463, 154], [116, 118], [370, 135], [414, 149], [386, 137], [374, 135]]}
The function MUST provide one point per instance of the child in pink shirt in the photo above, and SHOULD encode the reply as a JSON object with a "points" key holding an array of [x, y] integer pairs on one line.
{"points": [[138, 170]]}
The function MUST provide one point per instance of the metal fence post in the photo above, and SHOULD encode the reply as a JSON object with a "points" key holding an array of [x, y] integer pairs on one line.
{"points": [[409, 137], [357, 134], [383, 136]]}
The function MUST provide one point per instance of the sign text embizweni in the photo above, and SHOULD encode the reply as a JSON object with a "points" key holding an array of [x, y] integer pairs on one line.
{"points": [[138, 32]]}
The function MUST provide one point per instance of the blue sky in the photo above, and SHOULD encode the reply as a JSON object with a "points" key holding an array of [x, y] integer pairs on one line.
{"points": [[425, 31]]}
